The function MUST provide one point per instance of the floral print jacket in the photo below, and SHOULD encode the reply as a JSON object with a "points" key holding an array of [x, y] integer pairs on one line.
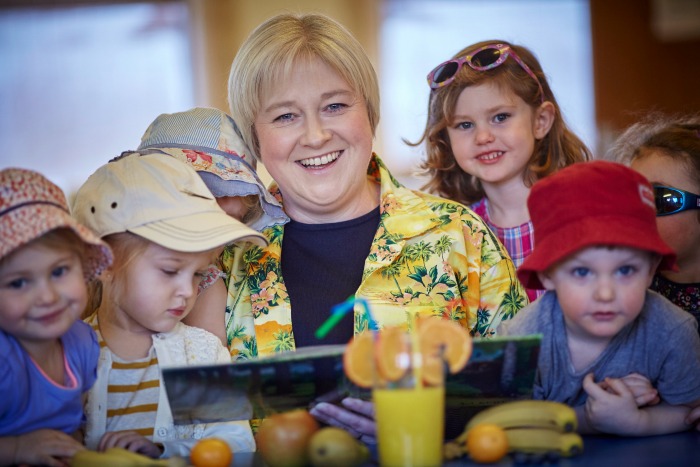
{"points": [[430, 256]]}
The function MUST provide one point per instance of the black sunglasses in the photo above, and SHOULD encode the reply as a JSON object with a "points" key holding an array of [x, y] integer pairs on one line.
{"points": [[672, 200]]}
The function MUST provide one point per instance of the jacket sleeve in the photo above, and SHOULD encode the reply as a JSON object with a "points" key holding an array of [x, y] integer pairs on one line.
{"points": [[493, 292]]}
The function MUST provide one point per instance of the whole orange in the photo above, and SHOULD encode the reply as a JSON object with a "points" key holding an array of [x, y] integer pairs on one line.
{"points": [[487, 443], [283, 438], [211, 452]]}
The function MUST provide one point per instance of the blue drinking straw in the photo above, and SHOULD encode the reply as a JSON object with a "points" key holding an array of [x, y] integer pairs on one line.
{"points": [[340, 310]]}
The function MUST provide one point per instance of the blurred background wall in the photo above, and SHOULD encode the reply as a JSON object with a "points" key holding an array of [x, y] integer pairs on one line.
{"points": [[81, 80]]}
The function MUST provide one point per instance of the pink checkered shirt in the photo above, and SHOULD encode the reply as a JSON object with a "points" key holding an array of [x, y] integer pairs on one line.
{"points": [[519, 241]]}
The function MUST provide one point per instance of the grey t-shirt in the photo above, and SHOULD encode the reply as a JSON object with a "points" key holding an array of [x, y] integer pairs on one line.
{"points": [[661, 344]]}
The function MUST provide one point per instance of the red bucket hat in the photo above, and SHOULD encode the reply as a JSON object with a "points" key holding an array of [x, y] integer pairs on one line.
{"points": [[588, 204], [31, 206]]}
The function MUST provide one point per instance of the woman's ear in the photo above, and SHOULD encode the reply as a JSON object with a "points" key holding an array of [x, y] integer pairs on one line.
{"points": [[543, 119], [546, 281]]}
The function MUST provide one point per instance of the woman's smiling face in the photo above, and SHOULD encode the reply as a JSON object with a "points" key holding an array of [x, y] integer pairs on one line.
{"points": [[315, 139]]}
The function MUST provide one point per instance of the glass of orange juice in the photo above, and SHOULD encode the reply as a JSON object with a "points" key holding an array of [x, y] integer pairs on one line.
{"points": [[409, 402], [406, 373]]}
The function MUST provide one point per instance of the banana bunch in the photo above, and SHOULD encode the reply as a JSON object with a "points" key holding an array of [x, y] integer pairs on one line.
{"points": [[118, 457], [532, 428], [528, 413]]}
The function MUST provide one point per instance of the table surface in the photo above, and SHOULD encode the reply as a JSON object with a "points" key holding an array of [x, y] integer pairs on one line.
{"points": [[680, 449]]}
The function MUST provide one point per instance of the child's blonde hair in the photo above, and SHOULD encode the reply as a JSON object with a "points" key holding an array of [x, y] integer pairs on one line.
{"points": [[254, 209], [558, 149], [125, 248]]}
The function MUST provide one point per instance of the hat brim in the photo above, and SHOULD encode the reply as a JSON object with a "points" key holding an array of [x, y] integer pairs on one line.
{"points": [[593, 231], [235, 177], [199, 232], [28, 223]]}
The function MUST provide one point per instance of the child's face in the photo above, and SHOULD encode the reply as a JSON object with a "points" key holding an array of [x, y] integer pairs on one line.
{"points": [[681, 231], [601, 290], [160, 287], [494, 133], [42, 293], [234, 206]]}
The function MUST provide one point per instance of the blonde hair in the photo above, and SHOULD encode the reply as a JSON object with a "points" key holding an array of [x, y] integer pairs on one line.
{"points": [[254, 209], [272, 50], [125, 248], [558, 149]]}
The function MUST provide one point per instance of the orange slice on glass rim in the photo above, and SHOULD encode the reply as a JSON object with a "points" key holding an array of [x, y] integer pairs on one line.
{"points": [[442, 340], [384, 350], [357, 359], [393, 358]]}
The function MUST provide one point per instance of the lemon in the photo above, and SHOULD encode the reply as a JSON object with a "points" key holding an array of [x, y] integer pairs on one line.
{"points": [[336, 447]]}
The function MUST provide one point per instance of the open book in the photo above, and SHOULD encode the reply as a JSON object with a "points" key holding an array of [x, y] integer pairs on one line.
{"points": [[500, 369]]}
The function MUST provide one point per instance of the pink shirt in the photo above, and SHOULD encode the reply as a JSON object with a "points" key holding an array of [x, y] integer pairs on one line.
{"points": [[519, 240]]}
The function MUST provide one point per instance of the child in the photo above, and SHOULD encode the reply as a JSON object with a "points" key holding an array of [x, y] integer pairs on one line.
{"points": [[666, 150], [493, 129], [48, 357], [165, 228], [596, 253], [207, 139]]}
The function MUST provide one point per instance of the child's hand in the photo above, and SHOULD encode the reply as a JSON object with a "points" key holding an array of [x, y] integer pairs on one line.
{"points": [[611, 411], [129, 440], [640, 387], [46, 447], [693, 418]]}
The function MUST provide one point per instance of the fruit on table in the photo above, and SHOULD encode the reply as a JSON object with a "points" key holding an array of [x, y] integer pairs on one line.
{"points": [[528, 413], [532, 428], [440, 341], [335, 447], [487, 443], [543, 441], [118, 457], [283, 438], [211, 452]]}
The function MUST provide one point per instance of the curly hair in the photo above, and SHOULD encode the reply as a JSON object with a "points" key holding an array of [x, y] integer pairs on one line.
{"points": [[559, 148]]}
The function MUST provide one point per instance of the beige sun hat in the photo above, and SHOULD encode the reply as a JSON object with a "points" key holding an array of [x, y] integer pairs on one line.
{"points": [[161, 199]]}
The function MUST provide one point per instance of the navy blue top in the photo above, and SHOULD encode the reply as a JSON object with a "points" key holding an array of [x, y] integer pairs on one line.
{"points": [[322, 266]]}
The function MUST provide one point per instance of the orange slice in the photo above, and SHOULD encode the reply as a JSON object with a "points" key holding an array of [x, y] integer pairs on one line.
{"points": [[433, 371], [446, 340], [442, 342], [357, 359], [393, 358]]}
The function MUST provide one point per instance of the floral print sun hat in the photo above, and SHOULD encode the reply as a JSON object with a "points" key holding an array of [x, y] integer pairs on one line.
{"points": [[208, 140], [31, 206]]}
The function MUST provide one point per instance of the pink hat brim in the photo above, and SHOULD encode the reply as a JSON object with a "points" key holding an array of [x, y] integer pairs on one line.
{"points": [[30, 222]]}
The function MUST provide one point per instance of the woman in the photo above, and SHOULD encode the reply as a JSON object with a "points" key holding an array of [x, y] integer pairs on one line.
{"points": [[306, 100]]}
